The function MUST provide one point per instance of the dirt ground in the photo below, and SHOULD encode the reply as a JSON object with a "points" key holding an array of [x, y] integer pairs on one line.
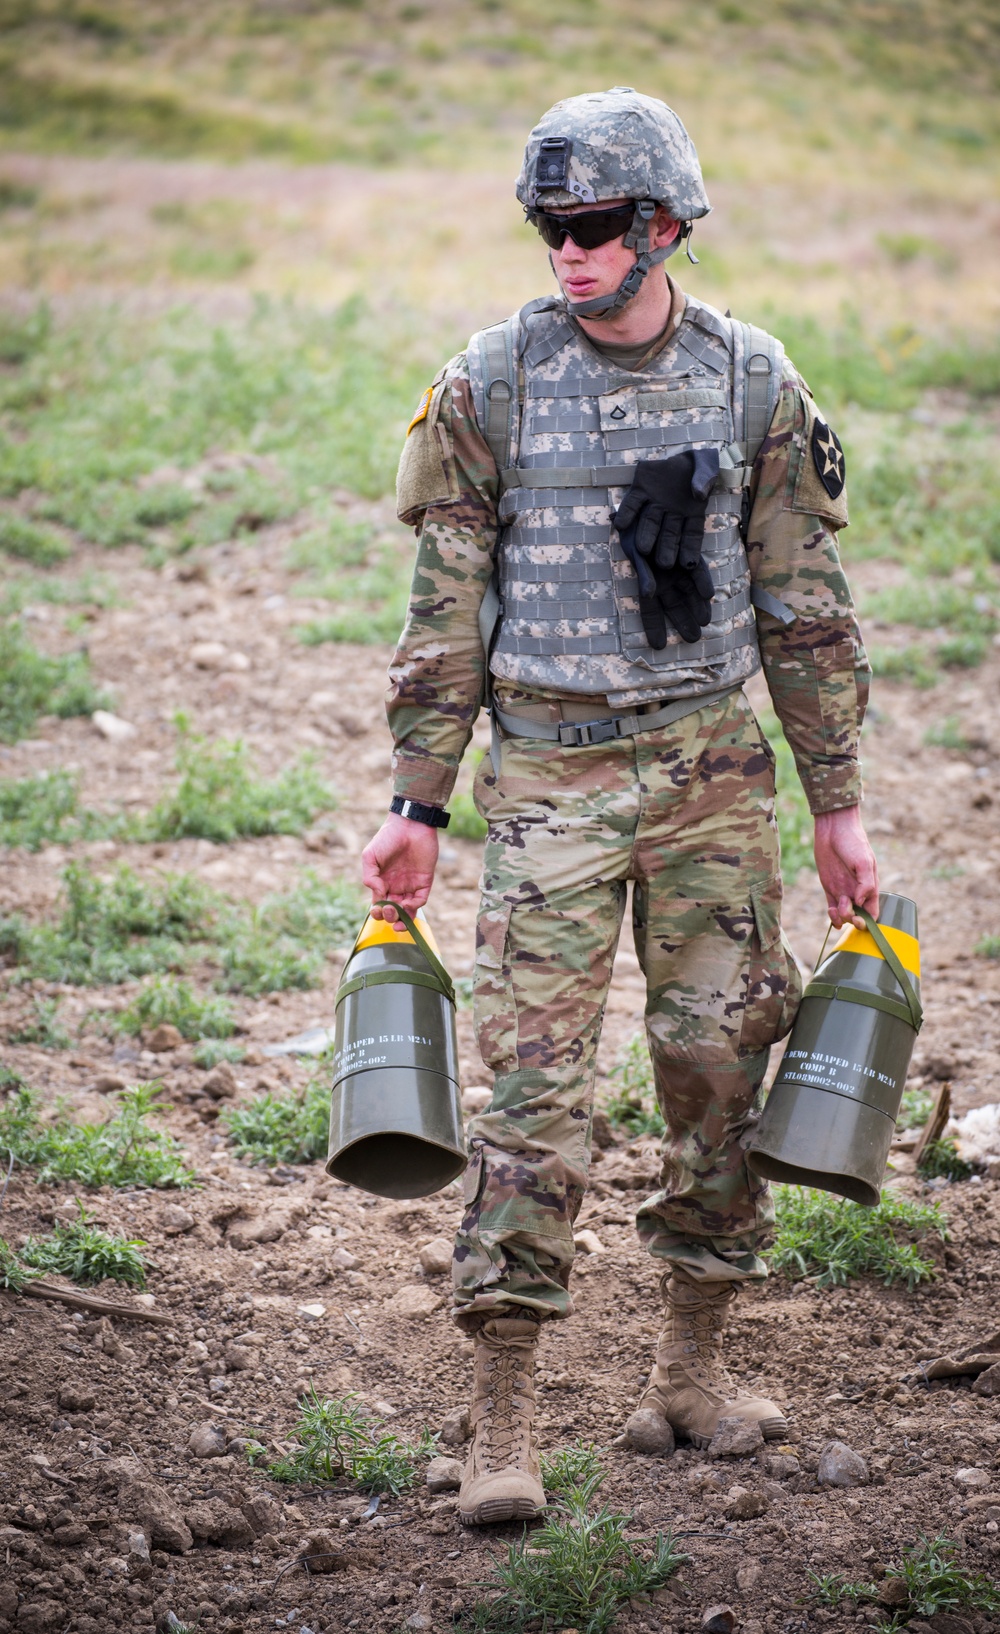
{"points": [[98, 1414]]}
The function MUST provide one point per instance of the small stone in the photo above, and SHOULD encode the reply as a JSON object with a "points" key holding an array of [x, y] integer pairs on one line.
{"points": [[841, 1466], [601, 1132], [946, 1622], [893, 1593], [109, 1083], [743, 1505], [207, 1441], [208, 654], [111, 726], [435, 1257], [174, 1221], [323, 1552], [970, 1478], [444, 1475], [138, 1546], [76, 1398], [71, 1535], [420, 1621], [216, 1521], [164, 1037], [476, 1099], [748, 1575], [8, 1600], [988, 1382], [782, 1466], [415, 1300], [240, 1359], [265, 1228], [735, 1438], [343, 1260], [456, 1427], [42, 1617], [648, 1432], [220, 1083], [313, 1311], [718, 1620], [588, 1242]]}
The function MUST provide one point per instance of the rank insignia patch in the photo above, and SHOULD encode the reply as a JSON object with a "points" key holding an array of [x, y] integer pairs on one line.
{"points": [[828, 457], [424, 405]]}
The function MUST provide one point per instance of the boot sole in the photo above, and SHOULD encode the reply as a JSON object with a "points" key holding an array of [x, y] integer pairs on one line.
{"points": [[772, 1429], [494, 1511]]}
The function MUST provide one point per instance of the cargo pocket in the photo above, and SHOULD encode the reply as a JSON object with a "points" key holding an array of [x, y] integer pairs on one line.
{"points": [[774, 985], [494, 1011]]}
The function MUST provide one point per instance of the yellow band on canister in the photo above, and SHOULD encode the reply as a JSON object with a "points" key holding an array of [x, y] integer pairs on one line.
{"points": [[377, 931], [905, 947]]}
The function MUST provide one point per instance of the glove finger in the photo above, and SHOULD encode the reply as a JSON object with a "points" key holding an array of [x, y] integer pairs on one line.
{"points": [[647, 583], [670, 538], [628, 510], [692, 535], [701, 580], [648, 528], [653, 622]]}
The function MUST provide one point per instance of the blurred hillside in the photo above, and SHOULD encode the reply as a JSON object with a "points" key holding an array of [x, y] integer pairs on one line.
{"points": [[849, 146]]}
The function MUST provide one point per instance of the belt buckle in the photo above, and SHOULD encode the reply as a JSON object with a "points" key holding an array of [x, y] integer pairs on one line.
{"points": [[581, 734]]}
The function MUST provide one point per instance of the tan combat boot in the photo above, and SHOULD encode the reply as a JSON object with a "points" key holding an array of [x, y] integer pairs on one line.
{"points": [[688, 1385], [502, 1479]]}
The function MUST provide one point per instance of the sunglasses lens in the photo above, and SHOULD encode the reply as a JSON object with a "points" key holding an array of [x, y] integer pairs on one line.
{"points": [[588, 229]]}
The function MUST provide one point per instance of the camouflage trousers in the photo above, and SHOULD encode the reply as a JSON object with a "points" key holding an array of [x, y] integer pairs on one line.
{"points": [[686, 813]]}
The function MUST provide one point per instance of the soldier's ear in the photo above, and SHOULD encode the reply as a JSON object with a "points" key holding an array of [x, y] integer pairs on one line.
{"points": [[665, 228]]}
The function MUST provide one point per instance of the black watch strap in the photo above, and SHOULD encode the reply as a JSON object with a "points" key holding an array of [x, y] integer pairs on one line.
{"points": [[433, 816]]}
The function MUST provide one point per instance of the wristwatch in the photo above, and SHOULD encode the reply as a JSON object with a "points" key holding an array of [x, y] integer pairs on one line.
{"points": [[433, 816]]}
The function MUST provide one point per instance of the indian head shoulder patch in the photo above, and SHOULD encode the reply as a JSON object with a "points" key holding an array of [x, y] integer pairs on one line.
{"points": [[828, 457]]}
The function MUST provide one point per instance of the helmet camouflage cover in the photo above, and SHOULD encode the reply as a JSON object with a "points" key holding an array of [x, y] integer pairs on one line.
{"points": [[612, 145]]}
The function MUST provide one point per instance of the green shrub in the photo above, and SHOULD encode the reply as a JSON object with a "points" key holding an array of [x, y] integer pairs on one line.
{"points": [[632, 1105], [577, 1570], [933, 1580], [318, 914], [87, 1255], [946, 734], [337, 1440], [572, 1467], [219, 798], [44, 1028], [31, 541], [166, 999], [33, 685], [988, 947], [14, 1274], [830, 1241], [210, 1051], [44, 810], [290, 1128], [124, 1151], [910, 663], [941, 1160], [914, 1109]]}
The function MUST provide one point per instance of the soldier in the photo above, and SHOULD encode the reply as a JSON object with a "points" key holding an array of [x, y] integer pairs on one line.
{"points": [[626, 503]]}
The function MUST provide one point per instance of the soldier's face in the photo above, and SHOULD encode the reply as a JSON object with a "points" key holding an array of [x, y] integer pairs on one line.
{"points": [[586, 274]]}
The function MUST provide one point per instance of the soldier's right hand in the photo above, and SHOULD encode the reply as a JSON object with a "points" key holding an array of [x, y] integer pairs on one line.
{"points": [[399, 864]]}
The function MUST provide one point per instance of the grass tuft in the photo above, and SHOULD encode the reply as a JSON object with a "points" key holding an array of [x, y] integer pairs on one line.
{"points": [[281, 1128], [941, 1160], [44, 1027], [829, 1240], [914, 1109], [32, 684], [31, 541], [577, 1570], [124, 1151], [87, 1255], [934, 1582], [219, 798], [572, 1467], [988, 947], [336, 1440], [166, 999], [210, 1051], [14, 1274], [44, 810], [632, 1106]]}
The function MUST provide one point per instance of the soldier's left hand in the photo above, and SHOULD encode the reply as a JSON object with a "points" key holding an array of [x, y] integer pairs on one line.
{"points": [[845, 862]]}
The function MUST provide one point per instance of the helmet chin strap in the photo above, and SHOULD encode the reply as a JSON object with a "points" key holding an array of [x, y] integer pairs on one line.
{"points": [[637, 238]]}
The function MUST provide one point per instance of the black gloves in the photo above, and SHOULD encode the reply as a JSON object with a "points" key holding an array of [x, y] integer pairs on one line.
{"points": [[661, 523]]}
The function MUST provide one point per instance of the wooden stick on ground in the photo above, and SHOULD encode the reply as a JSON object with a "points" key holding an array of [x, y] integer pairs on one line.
{"points": [[78, 1301]]}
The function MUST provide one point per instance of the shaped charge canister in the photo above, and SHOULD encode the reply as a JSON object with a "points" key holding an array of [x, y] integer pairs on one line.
{"points": [[831, 1114], [395, 1115]]}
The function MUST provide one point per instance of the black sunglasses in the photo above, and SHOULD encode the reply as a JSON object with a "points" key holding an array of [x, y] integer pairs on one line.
{"points": [[588, 229]]}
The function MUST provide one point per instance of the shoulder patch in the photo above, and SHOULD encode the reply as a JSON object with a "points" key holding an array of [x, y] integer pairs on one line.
{"points": [[828, 458], [422, 408]]}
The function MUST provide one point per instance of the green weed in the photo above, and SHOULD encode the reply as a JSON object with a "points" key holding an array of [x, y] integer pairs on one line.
{"points": [[934, 1583], [31, 541], [466, 823], [272, 1129], [32, 685], [941, 1159], [633, 1106], [219, 797], [124, 1151], [256, 961], [210, 1051], [110, 930], [45, 810], [166, 999], [14, 1274], [336, 1440], [946, 734], [572, 1467], [44, 1028], [87, 1255], [829, 1241], [577, 1570], [988, 947], [914, 1109], [910, 663], [317, 914], [795, 824]]}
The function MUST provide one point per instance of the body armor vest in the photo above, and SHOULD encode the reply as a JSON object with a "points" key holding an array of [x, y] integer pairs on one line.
{"points": [[565, 426]]}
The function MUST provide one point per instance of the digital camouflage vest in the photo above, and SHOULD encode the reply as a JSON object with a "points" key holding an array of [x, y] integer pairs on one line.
{"points": [[565, 437]]}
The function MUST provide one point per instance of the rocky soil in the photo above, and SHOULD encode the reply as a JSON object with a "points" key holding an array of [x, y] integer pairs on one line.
{"points": [[124, 1491]]}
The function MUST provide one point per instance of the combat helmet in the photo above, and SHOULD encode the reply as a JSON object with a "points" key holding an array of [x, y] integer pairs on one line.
{"points": [[612, 145]]}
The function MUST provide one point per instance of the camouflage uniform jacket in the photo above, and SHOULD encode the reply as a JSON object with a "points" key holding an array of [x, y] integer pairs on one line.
{"points": [[815, 667]]}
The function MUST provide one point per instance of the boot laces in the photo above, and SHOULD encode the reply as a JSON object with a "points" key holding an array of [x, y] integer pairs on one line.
{"points": [[502, 1432]]}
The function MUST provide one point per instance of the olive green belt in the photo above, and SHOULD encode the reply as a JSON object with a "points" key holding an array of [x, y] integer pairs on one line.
{"points": [[577, 730]]}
